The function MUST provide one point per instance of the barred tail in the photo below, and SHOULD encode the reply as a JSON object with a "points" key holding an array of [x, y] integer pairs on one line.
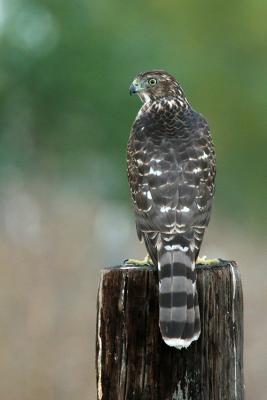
{"points": [[179, 318]]}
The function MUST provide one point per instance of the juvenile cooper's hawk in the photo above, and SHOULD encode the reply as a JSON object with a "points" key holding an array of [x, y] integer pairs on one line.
{"points": [[171, 171]]}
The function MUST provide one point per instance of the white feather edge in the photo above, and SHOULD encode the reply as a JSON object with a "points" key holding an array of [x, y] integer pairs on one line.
{"points": [[180, 343]]}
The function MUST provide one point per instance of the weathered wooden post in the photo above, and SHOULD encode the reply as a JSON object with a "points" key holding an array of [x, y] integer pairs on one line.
{"points": [[133, 363]]}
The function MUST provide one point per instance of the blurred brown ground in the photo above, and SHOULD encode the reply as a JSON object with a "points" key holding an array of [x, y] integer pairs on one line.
{"points": [[53, 244], [65, 113]]}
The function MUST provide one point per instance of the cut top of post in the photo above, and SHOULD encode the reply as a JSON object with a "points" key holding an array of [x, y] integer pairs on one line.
{"points": [[133, 362]]}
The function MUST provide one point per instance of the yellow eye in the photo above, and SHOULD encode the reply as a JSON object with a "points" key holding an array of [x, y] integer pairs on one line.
{"points": [[152, 81]]}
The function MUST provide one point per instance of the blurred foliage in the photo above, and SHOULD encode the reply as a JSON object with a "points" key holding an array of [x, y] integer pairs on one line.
{"points": [[65, 71], [65, 117]]}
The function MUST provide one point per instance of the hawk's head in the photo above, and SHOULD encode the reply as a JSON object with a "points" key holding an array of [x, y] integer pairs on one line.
{"points": [[153, 85]]}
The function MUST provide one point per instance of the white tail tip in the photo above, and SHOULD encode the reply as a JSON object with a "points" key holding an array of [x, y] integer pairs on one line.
{"points": [[180, 343]]}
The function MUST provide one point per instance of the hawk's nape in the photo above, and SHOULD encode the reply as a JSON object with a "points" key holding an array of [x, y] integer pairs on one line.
{"points": [[171, 171]]}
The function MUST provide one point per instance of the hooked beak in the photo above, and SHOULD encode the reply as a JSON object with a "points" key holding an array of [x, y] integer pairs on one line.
{"points": [[135, 87]]}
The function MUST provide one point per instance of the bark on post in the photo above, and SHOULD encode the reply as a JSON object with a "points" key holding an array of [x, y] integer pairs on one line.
{"points": [[133, 363]]}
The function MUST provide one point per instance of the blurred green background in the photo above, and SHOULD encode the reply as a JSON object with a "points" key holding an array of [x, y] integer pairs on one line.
{"points": [[65, 116]]}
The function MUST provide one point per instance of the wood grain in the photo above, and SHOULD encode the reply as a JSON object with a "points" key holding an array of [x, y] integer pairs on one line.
{"points": [[134, 363]]}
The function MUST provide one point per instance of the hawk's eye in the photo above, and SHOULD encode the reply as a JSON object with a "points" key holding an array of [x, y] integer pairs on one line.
{"points": [[152, 81]]}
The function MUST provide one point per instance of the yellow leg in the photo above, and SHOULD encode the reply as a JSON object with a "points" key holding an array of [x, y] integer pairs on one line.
{"points": [[207, 261], [131, 261]]}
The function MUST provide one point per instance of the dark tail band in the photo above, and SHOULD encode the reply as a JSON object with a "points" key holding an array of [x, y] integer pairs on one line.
{"points": [[178, 301]]}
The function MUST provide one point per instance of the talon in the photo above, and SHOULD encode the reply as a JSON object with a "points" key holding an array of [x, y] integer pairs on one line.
{"points": [[148, 260], [207, 261], [132, 261]]}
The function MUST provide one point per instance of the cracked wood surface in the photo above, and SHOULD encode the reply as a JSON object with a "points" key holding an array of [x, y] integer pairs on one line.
{"points": [[133, 362]]}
